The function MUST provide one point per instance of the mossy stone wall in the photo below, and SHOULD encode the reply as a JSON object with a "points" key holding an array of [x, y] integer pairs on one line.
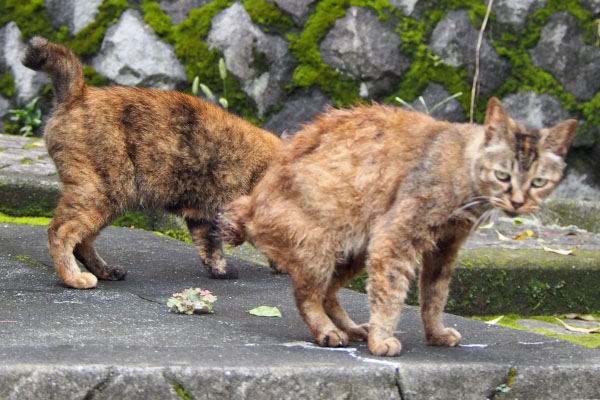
{"points": [[304, 36]]}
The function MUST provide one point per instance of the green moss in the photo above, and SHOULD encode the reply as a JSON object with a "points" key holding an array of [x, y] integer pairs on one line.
{"points": [[92, 78], [509, 321], [312, 70], [29, 15], [157, 19], [7, 219], [7, 85], [203, 62], [527, 282], [179, 234], [182, 392], [87, 41], [268, 15]]}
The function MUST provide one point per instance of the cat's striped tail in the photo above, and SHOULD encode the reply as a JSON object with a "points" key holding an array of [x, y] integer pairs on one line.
{"points": [[232, 222], [61, 64]]}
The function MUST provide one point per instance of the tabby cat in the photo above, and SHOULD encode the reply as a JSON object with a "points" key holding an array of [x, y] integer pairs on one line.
{"points": [[376, 186], [119, 148]]}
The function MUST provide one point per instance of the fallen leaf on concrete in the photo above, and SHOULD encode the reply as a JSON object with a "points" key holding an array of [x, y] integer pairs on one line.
{"points": [[265, 311], [501, 236], [524, 235], [578, 329], [494, 321], [583, 317], [562, 252]]}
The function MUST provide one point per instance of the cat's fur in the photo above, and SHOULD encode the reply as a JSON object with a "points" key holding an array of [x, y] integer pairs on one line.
{"points": [[118, 148], [376, 186]]}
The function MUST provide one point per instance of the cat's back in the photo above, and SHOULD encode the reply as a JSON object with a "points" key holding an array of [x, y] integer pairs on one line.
{"points": [[361, 144], [349, 158], [363, 131]]}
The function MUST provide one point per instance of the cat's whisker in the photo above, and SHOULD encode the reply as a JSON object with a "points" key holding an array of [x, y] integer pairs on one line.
{"points": [[485, 218], [476, 201]]}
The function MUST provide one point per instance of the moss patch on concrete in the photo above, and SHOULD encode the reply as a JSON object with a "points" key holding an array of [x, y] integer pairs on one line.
{"points": [[583, 214], [526, 282], [7, 219], [510, 321]]}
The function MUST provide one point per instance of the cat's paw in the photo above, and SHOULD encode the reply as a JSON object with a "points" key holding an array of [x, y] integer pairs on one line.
{"points": [[112, 273], [84, 280], [388, 347], [229, 272], [447, 337], [333, 338], [359, 333]]}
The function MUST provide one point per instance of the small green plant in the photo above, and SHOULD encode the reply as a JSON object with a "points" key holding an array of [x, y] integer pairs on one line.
{"points": [[427, 109], [27, 118], [192, 300], [223, 99]]}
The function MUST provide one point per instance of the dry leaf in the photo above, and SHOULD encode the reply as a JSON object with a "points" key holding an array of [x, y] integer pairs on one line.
{"points": [[494, 321], [578, 329], [583, 317], [501, 236], [562, 252], [524, 235]]}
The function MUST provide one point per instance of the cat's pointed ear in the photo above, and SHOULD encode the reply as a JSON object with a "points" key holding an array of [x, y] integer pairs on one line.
{"points": [[559, 137], [496, 121]]}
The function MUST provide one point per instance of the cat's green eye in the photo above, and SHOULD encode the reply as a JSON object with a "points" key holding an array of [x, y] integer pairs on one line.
{"points": [[502, 176], [539, 182]]}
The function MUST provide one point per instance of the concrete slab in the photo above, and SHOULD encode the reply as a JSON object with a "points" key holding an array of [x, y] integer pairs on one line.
{"points": [[120, 341]]}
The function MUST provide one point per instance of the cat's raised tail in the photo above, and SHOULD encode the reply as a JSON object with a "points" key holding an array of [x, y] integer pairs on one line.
{"points": [[61, 64], [232, 222]]}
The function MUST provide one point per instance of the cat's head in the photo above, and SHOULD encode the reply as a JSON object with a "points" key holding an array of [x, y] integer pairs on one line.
{"points": [[519, 167]]}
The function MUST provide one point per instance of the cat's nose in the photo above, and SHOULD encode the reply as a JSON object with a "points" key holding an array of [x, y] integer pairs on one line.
{"points": [[516, 204]]}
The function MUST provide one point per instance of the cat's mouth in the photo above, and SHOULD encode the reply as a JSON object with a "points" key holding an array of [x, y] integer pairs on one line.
{"points": [[511, 214]]}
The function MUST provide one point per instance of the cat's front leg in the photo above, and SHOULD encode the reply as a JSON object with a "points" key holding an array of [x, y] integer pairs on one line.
{"points": [[390, 274], [206, 237], [434, 281]]}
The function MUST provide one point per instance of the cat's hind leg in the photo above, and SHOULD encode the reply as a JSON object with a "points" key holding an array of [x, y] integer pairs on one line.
{"points": [[343, 273], [206, 237], [75, 219], [87, 255], [434, 281], [310, 293]]}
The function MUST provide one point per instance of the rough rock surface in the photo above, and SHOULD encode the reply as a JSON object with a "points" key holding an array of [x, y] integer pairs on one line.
{"points": [[179, 10], [535, 110], [4, 107], [145, 61], [434, 94], [514, 13], [406, 6], [561, 42], [454, 40], [262, 62], [296, 111], [299, 9], [27, 82], [593, 5], [360, 45], [75, 14]]}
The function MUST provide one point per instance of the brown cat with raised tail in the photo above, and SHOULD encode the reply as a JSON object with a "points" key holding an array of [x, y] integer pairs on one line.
{"points": [[375, 187], [120, 148]]}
